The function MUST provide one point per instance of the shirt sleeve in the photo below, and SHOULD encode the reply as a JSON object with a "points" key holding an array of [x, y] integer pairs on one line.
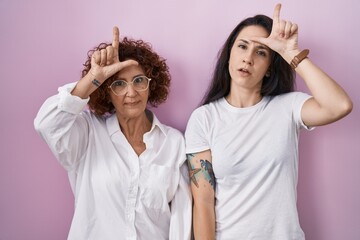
{"points": [[181, 205], [196, 134], [298, 102], [62, 125]]}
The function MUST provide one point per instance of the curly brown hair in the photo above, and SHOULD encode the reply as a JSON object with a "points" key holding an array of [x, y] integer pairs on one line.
{"points": [[154, 67]]}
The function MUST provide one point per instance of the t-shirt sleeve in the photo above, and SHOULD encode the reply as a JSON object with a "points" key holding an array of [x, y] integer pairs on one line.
{"points": [[196, 134], [298, 102]]}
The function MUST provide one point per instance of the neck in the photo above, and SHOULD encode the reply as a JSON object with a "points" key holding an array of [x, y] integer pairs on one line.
{"points": [[134, 128], [243, 99]]}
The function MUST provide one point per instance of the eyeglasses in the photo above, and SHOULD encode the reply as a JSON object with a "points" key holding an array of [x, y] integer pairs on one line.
{"points": [[139, 83]]}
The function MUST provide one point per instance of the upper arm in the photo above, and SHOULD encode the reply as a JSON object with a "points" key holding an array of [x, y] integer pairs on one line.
{"points": [[65, 133], [202, 177], [312, 114]]}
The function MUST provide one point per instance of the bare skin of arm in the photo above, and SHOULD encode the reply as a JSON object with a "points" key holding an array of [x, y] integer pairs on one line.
{"points": [[203, 191]]}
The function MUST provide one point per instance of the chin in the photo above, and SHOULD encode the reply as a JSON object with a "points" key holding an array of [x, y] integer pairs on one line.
{"points": [[133, 113]]}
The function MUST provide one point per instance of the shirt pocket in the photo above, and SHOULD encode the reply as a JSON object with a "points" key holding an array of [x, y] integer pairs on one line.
{"points": [[157, 181]]}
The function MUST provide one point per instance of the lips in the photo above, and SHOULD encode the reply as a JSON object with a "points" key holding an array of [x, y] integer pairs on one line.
{"points": [[244, 71], [131, 103]]}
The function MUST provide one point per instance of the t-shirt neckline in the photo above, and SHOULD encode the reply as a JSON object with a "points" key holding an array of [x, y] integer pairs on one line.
{"points": [[223, 102]]}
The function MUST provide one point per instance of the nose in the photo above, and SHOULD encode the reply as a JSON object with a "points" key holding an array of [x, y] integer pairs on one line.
{"points": [[248, 59], [130, 91]]}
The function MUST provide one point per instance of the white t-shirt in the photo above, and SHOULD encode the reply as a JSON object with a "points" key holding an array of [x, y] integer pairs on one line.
{"points": [[118, 195], [255, 162]]}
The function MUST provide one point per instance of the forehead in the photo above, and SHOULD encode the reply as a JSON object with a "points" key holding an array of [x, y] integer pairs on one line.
{"points": [[252, 31], [129, 72]]}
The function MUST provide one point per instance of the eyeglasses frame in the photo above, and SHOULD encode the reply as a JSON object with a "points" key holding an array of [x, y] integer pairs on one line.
{"points": [[128, 83]]}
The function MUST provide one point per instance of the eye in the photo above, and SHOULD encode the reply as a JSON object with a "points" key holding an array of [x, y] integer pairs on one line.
{"points": [[119, 83], [138, 80], [242, 46], [262, 53]]}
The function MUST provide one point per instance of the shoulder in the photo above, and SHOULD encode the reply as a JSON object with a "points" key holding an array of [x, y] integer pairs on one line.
{"points": [[173, 132], [170, 132], [206, 111], [289, 98], [174, 142], [291, 95], [90, 116], [202, 120], [97, 123]]}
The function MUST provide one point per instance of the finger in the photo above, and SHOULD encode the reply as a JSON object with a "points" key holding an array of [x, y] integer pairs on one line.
{"points": [[276, 15], [103, 57], [115, 42], [281, 30], [109, 54], [95, 58], [287, 29], [294, 28]]}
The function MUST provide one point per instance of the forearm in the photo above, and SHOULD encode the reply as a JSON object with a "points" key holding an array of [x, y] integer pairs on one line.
{"points": [[85, 86], [204, 222]]}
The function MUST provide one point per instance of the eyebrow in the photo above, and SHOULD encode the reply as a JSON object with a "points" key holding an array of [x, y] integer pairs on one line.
{"points": [[260, 46]]}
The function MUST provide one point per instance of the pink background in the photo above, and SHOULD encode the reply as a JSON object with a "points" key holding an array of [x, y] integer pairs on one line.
{"points": [[44, 43]]}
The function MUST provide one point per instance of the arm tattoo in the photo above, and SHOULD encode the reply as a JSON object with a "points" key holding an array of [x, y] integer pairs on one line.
{"points": [[192, 171], [206, 170]]}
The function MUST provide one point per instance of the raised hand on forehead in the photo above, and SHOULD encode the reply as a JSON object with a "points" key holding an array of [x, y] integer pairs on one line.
{"points": [[284, 34], [105, 62]]}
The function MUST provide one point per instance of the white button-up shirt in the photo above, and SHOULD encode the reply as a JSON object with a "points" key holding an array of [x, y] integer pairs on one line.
{"points": [[118, 194]]}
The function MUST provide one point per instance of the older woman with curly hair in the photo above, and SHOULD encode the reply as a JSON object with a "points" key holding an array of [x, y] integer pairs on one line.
{"points": [[126, 169]]}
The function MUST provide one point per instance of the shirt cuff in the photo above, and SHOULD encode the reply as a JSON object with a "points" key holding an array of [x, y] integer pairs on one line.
{"points": [[70, 103]]}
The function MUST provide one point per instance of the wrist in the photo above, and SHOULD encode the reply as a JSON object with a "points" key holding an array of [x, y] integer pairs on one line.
{"points": [[288, 56], [84, 87], [298, 58], [93, 79]]}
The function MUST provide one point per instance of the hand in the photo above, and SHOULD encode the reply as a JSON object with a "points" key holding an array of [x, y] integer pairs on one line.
{"points": [[105, 63], [283, 37]]}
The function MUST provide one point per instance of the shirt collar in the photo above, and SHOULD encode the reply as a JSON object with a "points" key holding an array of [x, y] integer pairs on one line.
{"points": [[157, 123]]}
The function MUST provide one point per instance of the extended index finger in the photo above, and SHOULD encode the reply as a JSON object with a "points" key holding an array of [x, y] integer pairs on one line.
{"points": [[276, 15], [115, 42]]}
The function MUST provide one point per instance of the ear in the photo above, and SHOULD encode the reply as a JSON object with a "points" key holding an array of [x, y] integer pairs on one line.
{"points": [[267, 74]]}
